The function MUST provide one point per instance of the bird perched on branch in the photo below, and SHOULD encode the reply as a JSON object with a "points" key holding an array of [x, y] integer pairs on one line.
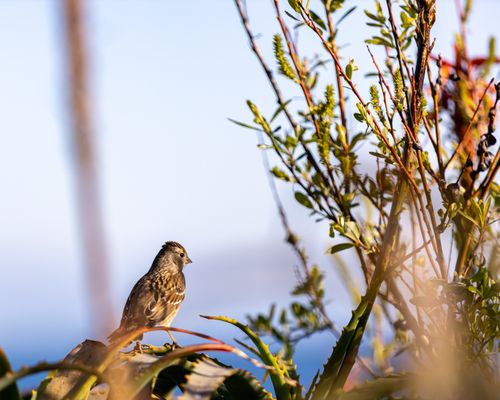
{"points": [[157, 296]]}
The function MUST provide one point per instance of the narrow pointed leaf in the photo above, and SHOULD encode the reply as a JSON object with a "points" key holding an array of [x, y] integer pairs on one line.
{"points": [[279, 374]]}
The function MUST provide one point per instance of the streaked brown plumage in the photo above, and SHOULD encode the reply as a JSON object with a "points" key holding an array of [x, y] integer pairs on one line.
{"points": [[156, 297]]}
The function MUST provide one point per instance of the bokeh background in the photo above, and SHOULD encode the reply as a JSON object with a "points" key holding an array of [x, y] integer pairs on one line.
{"points": [[165, 76]]}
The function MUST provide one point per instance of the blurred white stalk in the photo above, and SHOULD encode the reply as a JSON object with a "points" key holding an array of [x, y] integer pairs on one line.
{"points": [[94, 253]]}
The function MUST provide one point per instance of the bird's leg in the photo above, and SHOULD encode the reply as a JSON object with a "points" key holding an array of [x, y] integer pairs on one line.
{"points": [[138, 347], [174, 342]]}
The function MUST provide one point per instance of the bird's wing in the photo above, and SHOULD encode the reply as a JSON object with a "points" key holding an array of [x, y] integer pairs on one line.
{"points": [[131, 316], [153, 300], [165, 302], [133, 312]]}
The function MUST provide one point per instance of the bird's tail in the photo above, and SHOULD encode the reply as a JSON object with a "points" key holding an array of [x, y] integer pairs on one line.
{"points": [[119, 333]]}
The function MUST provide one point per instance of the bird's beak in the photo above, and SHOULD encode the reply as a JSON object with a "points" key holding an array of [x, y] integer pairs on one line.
{"points": [[189, 261]]}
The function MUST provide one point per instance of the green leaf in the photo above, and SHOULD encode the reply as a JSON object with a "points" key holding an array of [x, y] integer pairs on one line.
{"points": [[280, 109], [379, 18], [352, 230], [314, 381], [280, 174], [473, 289], [491, 57], [291, 142], [407, 20], [340, 247], [469, 218], [359, 117], [346, 14], [206, 376], [295, 5], [292, 17], [378, 155], [335, 4], [317, 20], [245, 125], [375, 25], [378, 40], [279, 373], [313, 283], [340, 362], [348, 70], [303, 199], [258, 118], [153, 370], [243, 385]]}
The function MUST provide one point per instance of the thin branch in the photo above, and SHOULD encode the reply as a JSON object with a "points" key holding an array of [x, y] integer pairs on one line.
{"points": [[340, 88], [469, 126], [379, 132]]}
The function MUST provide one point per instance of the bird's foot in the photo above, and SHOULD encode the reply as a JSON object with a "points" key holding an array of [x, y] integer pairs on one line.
{"points": [[140, 347], [172, 346]]}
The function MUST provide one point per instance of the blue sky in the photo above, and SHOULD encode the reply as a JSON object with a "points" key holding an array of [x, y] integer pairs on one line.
{"points": [[166, 76]]}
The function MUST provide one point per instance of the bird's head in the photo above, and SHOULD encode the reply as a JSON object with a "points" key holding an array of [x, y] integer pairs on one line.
{"points": [[177, 251]]}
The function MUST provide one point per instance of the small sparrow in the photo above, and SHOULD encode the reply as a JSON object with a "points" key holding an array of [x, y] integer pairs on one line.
{"points": [[157, 296]]}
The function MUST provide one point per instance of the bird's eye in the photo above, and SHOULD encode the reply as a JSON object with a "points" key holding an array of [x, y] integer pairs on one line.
{"points": [[182, 254]]}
